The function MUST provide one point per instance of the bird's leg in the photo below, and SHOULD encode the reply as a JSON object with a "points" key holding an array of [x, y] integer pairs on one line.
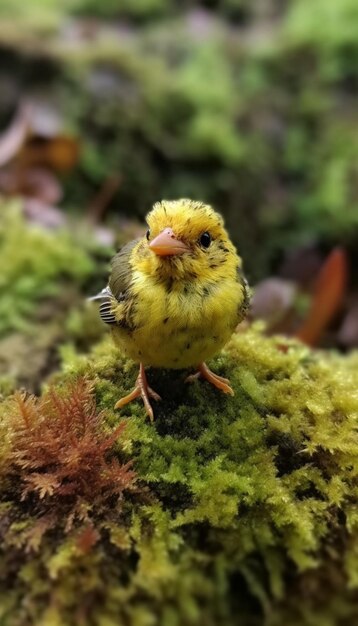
{"points": [[141, 390], [218, 381]]}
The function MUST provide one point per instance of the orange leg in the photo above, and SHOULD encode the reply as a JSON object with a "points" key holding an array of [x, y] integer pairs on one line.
{"points": [[218, 381], [141, 390]]}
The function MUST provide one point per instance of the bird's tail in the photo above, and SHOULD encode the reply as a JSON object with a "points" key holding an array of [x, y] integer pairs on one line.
{"points": [[102, 295], [105, 310]]}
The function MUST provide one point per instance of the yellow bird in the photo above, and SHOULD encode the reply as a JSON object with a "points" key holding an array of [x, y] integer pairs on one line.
{"points": [[175, 296]]}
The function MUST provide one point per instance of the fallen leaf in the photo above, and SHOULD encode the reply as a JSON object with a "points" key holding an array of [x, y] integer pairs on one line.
{"points": [[327, 297], [59, 153]]}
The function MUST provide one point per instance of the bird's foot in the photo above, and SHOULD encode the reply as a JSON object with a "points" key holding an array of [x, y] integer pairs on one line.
{"points": [[218, 381], [141, 390]]}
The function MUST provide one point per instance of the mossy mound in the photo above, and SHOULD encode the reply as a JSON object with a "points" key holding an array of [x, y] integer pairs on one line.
{"points": [[242, 510]]}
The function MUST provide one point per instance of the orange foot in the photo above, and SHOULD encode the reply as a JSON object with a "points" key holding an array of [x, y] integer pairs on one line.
{"points": [[214, 379], [141, 390]]}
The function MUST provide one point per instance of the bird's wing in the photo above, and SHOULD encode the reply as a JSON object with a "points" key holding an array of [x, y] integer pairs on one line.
{"points": [[121, 274], [115, 298], [107, 300], [245, 303]]}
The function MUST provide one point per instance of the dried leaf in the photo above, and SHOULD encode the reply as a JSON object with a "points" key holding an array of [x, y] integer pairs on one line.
{"points": [[59, 153], [327, 297]]}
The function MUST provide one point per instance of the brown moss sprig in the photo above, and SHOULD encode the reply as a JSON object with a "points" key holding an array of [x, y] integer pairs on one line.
{"points": [[62, 463], [60, 449]]}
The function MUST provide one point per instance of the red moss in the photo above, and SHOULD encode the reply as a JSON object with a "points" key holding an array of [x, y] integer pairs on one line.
{"points": [[60, 453]]}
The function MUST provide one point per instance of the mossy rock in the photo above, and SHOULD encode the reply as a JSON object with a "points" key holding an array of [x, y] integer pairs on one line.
{"points": [[244, 509]]}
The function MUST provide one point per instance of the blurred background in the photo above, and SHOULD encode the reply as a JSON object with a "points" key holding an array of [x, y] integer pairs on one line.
{"points": [[106, 107]]}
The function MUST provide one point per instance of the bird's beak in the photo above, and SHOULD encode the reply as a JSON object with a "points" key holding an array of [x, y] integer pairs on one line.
{"points": [[167, 244]]}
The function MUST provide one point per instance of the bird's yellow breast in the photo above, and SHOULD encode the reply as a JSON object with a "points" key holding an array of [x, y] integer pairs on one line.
{"points": [[179, 325]]}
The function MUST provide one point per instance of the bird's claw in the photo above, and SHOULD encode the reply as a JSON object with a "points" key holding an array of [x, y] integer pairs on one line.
{"points": [[218, 381], [141, 390]]}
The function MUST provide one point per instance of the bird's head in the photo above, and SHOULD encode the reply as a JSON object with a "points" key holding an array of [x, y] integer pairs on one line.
{"points": [[185, 240]]}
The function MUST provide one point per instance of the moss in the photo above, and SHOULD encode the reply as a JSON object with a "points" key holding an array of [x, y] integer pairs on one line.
{"points": [[255, 132], [35, 264], [44, 275], [250, 511], [182, 102]]}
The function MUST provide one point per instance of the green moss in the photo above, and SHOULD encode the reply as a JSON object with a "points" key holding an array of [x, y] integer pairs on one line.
{"points": [[263, 129], [223, 104], [44, 278], [35, 264], [250, 513]]}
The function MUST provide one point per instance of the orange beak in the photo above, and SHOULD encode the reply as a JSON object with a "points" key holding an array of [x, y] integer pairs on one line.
{"points": [[166, 244]]}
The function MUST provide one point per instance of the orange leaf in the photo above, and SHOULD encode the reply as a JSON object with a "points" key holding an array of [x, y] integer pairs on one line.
{"points": [[59, 153], [327, 297], [63, 153]]}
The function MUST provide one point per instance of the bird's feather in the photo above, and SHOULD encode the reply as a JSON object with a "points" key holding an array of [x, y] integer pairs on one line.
{"points": [[245, 304], [104, 294], [106, 313], [121, 273], [116, 293], [107, 300], [176, 311]]}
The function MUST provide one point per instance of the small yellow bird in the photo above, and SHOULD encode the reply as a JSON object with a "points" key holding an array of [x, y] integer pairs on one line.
{"points": [[175, 296]]}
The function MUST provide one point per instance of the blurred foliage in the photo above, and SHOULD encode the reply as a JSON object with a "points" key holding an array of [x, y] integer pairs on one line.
{"points": [[35, 265], [246, 506], [46, 276], [250, 106], [230, 509]]}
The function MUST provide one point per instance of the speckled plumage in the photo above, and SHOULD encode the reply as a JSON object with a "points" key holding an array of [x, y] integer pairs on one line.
{"points": [[177, 308], [175, 312]]}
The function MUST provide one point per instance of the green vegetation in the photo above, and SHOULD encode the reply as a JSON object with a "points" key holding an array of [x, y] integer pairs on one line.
{"points": [[35, 265], [257, 116], [45, 278], [243, 509], [225, 511]]}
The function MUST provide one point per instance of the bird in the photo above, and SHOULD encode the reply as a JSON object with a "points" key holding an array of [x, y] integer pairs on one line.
{"points": [[175, 296]]}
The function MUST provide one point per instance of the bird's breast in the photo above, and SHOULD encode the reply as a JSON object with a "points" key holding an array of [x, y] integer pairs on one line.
{"points": [[179, 328]]}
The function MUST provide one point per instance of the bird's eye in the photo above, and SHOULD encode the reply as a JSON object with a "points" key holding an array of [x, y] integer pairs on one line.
{"points": [[147, 234], [205, 240]]}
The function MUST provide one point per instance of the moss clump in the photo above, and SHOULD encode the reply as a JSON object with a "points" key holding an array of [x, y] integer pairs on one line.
{"points": [[250, 511], [44, 275], [35, 265]]}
